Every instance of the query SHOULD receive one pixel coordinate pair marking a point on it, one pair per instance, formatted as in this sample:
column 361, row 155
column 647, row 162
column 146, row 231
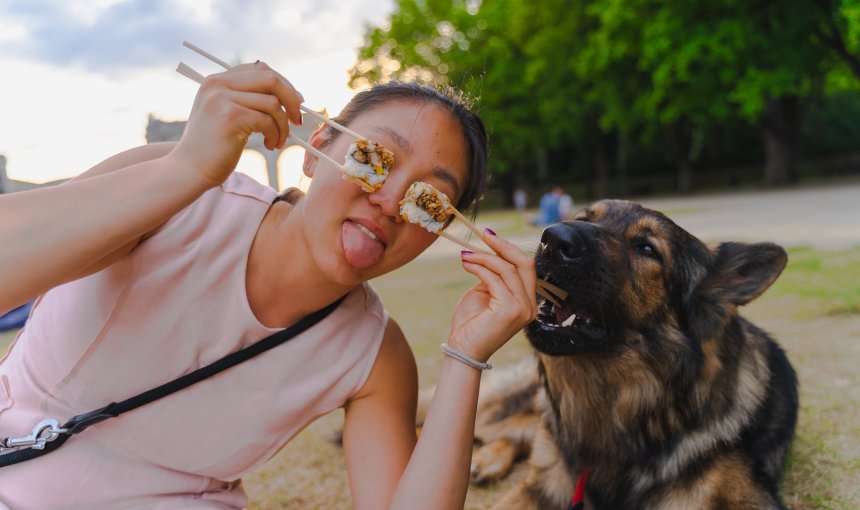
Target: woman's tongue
column 361, row 251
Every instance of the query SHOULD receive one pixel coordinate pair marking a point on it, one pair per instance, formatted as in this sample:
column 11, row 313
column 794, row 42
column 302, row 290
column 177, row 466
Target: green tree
column 711, row 62
column 577, row 108
column 473, row 47
column 839, row 30
column 572, row 82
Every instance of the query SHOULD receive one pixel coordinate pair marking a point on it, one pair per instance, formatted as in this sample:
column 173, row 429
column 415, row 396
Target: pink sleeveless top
column 177, row 302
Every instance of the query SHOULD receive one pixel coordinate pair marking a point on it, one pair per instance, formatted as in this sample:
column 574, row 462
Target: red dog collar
column 576, row 502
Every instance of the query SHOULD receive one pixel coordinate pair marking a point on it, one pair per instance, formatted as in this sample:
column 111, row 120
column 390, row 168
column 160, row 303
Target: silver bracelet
column 447, row 350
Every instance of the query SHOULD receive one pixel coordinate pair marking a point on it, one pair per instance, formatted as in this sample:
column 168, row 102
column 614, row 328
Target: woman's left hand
column 495, row 309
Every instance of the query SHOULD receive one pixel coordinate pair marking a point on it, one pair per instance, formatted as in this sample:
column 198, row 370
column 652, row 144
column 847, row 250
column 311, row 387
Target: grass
column 6, row 338
column 813, row 309
column 829, row 281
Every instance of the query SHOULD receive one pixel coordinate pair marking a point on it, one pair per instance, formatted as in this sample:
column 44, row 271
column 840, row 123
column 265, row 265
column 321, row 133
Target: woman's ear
column 319, row 138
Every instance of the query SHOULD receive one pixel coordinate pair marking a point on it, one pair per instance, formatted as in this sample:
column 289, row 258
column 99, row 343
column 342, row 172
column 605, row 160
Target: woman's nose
column 388, row 197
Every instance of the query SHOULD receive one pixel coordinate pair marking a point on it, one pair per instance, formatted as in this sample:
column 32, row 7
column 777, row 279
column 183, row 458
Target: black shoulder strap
column 82, row 421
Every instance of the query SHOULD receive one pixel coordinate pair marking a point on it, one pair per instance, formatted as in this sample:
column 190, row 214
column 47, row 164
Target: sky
column 78, row 78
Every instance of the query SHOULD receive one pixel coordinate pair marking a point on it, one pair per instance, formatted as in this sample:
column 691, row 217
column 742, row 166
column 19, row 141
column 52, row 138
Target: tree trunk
column 542, row 164
column 507, row 181
column 621, row 146
column 593, row 153
column 681, row 136
column 780, row 129
column 601, row 165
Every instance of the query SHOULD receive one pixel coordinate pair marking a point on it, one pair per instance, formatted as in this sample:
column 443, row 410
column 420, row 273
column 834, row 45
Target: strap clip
column 44, row 432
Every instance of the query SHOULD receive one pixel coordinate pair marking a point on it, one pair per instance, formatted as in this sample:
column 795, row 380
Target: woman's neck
column 283, row 282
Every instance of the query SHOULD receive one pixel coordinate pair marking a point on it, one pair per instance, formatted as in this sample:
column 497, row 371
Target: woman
column 237, row 265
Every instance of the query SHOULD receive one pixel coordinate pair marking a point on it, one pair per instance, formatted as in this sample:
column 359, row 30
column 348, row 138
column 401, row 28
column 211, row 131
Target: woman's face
column 354, row 236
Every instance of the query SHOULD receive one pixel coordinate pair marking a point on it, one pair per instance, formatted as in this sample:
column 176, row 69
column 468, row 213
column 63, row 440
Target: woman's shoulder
column 237, row 205
column 241, row 184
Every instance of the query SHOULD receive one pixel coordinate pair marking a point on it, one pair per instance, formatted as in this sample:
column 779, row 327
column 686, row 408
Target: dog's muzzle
column 567, row 257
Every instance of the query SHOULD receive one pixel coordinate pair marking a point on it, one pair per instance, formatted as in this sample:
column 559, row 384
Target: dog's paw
column 493, row 461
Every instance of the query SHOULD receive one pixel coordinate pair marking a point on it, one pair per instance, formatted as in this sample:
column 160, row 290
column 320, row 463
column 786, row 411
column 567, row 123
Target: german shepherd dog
column 647, row 378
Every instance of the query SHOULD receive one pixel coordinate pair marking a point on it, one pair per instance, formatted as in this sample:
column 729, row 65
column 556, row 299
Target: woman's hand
column 494, row 310
column 229, row 107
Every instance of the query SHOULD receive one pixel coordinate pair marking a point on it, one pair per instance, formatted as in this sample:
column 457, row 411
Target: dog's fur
column 659, row 388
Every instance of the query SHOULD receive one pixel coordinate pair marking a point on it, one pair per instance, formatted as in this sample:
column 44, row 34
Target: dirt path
column 822, row 217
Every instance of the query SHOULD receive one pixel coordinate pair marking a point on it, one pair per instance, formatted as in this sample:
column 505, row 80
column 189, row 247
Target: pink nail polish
column 463, row 253
column 490, row 231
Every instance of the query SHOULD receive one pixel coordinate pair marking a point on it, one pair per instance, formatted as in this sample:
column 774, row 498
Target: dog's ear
column 744, row 271
column 737, row 273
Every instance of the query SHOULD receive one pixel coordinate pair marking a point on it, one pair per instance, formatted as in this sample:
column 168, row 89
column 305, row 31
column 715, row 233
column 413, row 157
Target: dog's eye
column 647, row 249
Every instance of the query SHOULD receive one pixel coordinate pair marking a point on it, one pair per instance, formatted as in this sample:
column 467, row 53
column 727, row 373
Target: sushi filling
column 367, row 164
column 426, row 206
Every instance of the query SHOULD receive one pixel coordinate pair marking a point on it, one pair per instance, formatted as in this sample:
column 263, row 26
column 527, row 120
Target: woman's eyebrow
column 401, row 142
column 439, row 172
column 445, row 175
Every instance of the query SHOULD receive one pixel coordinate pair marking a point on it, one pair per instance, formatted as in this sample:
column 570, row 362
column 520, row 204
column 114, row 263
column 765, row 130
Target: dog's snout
column 563, row 242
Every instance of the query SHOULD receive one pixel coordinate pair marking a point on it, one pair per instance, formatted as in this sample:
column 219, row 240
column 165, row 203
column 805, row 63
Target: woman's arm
column 122, row 160
column 380, row 426
column 53, row 235
column 379, row 433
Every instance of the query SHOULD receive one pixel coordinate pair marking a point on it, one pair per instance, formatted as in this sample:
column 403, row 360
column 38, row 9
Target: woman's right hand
column 228, row 108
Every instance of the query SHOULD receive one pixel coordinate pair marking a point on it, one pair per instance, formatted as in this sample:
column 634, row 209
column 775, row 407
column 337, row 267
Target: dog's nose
column 563, row 243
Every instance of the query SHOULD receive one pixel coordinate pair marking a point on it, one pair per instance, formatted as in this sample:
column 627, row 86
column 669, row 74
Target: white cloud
column 111, row 35
column 80, row 77
column 86, row 12
column 13, row 32
column 202, row 11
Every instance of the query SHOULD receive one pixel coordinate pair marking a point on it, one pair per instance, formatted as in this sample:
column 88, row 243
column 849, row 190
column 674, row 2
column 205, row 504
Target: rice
column 426, row 206
column 367, row 164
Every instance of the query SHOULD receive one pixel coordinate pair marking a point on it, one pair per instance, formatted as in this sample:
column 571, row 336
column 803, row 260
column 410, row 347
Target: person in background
column 548, row 212
column 521, row 199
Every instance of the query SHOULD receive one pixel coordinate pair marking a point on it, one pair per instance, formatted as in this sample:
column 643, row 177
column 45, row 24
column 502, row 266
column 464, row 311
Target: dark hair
column 452, row 100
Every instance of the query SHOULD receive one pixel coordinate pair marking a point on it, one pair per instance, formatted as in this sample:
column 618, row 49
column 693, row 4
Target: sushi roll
column 367, row 164
column 426, row 206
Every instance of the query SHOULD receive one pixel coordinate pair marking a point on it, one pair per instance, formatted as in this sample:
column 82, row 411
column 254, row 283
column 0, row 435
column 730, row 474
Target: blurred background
column 739, row 119
column 635, row 97
column 604, row 97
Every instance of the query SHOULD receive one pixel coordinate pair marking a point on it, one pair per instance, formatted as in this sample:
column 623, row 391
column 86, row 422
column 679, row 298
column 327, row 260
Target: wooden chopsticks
column 225, row 65
column 549, row 291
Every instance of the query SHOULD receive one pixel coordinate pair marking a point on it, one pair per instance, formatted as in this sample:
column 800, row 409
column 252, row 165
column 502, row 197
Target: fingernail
column 464, row 253
column 490, row 231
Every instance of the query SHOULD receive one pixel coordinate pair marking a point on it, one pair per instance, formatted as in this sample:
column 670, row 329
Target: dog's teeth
column 569, row 320
column 588, row 321
column 545, row 323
